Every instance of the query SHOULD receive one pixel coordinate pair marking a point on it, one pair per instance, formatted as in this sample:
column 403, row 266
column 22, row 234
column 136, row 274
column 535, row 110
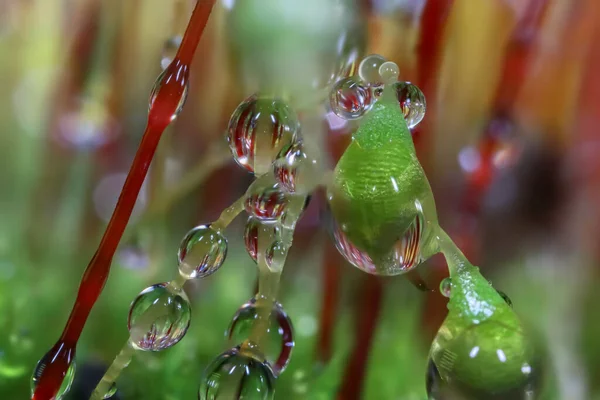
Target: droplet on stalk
column 265, row 201
column 251, row 235
column 350, row 98
column 236, row 375
column 56, row 354
column 158, row 318
column 368, row 69
column 201, row 252
column 412, row 102
column 279, row 340
column 295, row 171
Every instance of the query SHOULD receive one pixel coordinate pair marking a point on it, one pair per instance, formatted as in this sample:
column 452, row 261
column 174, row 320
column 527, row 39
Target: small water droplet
column 258, row 129
column 169, row 51
column 158, row 318
column 265, row 201
column 58, row 354
column 279, row 341
column 276, row 255
column 235, row 375
column 251, row 235
column 368, row 69
column 350, row 98
column 446, row 286
column 295, row 171
column 201, row 252
column 412, row 102
column 389, row 72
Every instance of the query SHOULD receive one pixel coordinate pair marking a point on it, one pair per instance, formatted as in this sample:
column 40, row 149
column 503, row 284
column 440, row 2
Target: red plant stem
column 162, row 111
column 368, row 309
column 331, row 290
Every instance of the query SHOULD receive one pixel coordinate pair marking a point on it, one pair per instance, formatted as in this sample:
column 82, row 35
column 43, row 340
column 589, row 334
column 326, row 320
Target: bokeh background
column 510, row 143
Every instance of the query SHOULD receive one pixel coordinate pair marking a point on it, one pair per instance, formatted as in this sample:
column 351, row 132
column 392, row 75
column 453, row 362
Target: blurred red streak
column 331, row 288
column 368, row 308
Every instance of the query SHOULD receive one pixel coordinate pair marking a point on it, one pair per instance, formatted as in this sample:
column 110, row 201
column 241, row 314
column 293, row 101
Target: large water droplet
column 266, row 201
column 279, row 340
column 258, row 129
column 169, row 51
column 201, row 252
column 234, row 375
column 350, row 98
column 295, row 171
column 251, row 235
column 158, row 318
column 488, row 360
column 368, row 69
column 412, row 102
column 56, row 354
column 175, row 84
column 389, row 72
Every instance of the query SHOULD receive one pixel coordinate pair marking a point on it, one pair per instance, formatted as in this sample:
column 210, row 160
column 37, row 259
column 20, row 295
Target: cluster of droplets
column 352, row 97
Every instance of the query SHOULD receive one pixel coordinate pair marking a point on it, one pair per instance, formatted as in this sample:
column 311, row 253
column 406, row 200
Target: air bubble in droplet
column 258, row 129
column 446, row 286
column 111, row 392
column 279, row 340
column 265, row 201
column 52, row 356
column 368, row 69
column 251, row 235
column 389, row 72
column 350, row 98
column 158, row 318
column 295, row 171
column 412, row 102
column 236, row 375
column 201, row 252
column 169, row 51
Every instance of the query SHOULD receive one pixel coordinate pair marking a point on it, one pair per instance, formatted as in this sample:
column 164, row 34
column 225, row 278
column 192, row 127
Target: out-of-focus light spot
column 107, row 193
column 469, row 159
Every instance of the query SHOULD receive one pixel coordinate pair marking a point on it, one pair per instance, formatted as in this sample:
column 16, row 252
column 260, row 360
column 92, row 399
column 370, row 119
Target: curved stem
column 110, row 376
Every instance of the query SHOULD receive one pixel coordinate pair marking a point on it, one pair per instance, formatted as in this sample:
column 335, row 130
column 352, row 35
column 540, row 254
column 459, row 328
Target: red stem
column 331, row 289
column 164, row 107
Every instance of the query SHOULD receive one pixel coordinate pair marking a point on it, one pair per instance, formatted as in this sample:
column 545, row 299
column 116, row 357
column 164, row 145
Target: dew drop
column 389, row 72
column 279, row 341
column 201, row 252
column 258, row 129
column 56, row 354
column 158, row 318
column 169, row 51
column 176, row 76
column 368, row 69
column 234, row 375
column 251, row 235
column 350, row 99
column 265, row 201
column 295, row 171
column 446, row 286
column 412, row 102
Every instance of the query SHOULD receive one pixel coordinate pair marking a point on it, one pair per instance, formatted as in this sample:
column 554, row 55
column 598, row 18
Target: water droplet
column 251, row 235
column 201, row 252
column 158, row 318
column 169, row 51
column 485, row 361
column 59, row 353
column 389, row 72
column 279, row 341
column 234, row 375
column 404, row 255
column 265, row 201
column 174, row 81
column 446, row 286
column 258, row 129
column 412, row 102
column 368, row 69
column 295, row 171
column 350, row 99
column 111, row 392
column 276, row 255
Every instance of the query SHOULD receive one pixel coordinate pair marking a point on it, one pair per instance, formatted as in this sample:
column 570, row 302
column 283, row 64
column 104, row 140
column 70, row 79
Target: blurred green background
column 510, row 142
